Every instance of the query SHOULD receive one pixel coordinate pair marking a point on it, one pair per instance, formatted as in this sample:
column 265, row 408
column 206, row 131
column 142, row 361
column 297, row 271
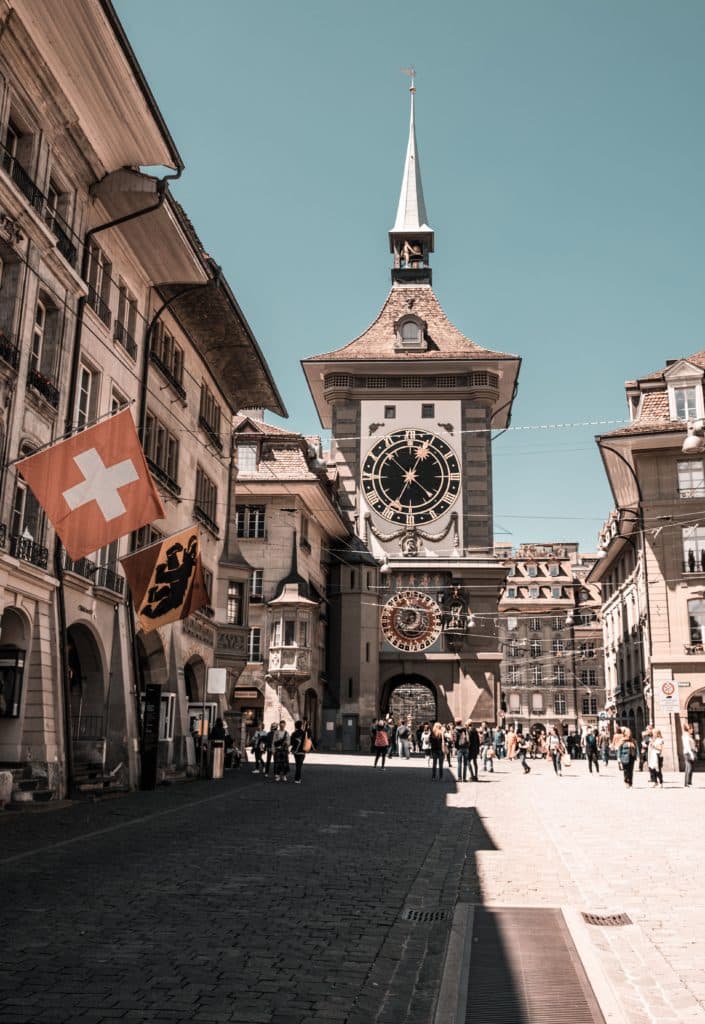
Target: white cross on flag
column 95, row 486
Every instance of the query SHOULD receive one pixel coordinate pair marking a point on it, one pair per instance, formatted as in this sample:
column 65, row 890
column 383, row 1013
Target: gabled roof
column 379, row 341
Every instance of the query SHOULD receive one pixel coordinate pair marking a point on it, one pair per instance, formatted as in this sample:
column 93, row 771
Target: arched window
column 410, row 333
column 27, row 516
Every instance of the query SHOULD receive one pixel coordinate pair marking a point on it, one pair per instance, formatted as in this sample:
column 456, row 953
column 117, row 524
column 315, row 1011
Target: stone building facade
column 107, row 300
column 412, row 404
column 653, row 566
column 551, row 638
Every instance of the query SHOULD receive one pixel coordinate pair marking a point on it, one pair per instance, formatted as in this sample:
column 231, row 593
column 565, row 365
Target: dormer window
column 410, row 333
column 247, row 458
column 685, row 391
column 685, row 403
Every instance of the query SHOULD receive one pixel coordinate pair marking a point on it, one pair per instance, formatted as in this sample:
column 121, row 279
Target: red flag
column 95, row 486
column 166, row 579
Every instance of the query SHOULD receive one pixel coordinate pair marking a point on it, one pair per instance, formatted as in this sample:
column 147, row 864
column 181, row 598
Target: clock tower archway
column 410, row 697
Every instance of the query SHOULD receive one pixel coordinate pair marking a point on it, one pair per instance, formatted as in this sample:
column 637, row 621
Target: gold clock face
column 411, row 621
column 411, row 477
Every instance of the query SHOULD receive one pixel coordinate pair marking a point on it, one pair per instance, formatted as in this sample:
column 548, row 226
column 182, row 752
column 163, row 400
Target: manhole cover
column 607, row 920
column 424, row 915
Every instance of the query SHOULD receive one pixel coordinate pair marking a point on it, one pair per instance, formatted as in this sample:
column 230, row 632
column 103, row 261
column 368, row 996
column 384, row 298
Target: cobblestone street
column 246, row 901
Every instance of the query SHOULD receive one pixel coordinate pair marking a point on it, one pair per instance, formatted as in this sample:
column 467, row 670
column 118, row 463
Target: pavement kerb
column 453, row 995
column 604, row 993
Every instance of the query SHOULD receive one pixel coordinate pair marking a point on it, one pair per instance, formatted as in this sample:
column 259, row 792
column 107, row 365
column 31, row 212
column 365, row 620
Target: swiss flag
column 95, row 486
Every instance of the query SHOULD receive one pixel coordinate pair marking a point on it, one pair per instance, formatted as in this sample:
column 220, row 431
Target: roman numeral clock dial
column 411, row 477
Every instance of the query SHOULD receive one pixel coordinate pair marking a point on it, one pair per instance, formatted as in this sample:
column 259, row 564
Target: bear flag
column 95, row 486
column 166, row 579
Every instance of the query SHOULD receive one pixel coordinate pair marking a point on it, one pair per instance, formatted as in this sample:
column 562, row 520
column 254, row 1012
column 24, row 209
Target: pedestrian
column 373, row 735
column 604, row 744
column 473, row 749
column 259, row 747
column 689, row 754
column 425, row 741
column 381, row 743
column 300, row 739
column 511, row 744
column 626, row 754
column 591, row 750
column 556, row 749
column 403, row 739
column 460, row 737
column 269, row 746
column 437, row 749
column 499, row 747
column 644, row 746
column 655, row 760
column 521, row 753
column 391, row 736
column 280, row 747
column 448, row 737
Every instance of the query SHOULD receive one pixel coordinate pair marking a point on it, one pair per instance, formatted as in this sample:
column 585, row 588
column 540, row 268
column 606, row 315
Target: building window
column 390, row 412
column 554, row 570
column 512, row 623
column 206, row 504
column 117, row 402
column 125, row 326
column 534, row 624
column 691, row 479
column 167, row 715
column 256, row 584
column 515, row 703
column 11, row 679
column 557, row 623
column 534, row 592
column 694, row 548
column 536, row 675
column 410, row 334
column 147, row 535
column 254, row 644
column 247, row 458
column 588, row 677
column 87, row 398
column 209, row 419
column 557, row 593
column 304, row 542
column 537, row 703
column 532, row 570
column 696, row 619
column 235, row 604
column 428, row 411
column 685, row 403
column 587, row 649
column 513, row 676
column 559, row 704
column 303, row 633
column 250, row 521
column 559, row 675
column 511, row 592
column 289, row 632
column 27, row 520
column 535, row 648
column 589, row 705
column 162, row 449
column 557, row 646
column 98, row 280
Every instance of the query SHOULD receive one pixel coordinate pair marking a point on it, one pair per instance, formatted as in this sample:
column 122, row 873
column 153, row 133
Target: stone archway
column 14, row 645
column 152, row 659
column 410, row 696
column 195, row 679
column 87, row 688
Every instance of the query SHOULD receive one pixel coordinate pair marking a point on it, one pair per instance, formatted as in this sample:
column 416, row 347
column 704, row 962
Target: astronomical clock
column 411, row 620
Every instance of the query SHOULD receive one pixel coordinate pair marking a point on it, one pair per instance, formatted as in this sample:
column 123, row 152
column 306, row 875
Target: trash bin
column 217, row 758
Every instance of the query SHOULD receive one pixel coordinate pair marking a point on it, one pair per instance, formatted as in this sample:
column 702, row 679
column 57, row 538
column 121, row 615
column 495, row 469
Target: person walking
column 511, row 744
column 425, row 741
column 448, row 738
column 591, row 750
column 403, row 739
column 499, row 748
column 268, row 747
column 381, row 743
column 521, row 753
column 300, row 741
column 627, row 753
column 461, row 747
column 604, row 744
column 473, row 749
column 654, row 760
column 487, row 750
column 437, row 750
column 646, row 737
column 556, row 750
column 689, row 754
column 280, row 747
column 259, row 746
column 391, row 727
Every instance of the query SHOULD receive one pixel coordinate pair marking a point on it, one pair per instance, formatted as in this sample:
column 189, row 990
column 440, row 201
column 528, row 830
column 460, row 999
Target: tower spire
column 411, row 238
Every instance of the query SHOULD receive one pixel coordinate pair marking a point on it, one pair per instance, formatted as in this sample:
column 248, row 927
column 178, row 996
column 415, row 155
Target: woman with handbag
column 301, row 744
column 381, row 742
column 689, row 754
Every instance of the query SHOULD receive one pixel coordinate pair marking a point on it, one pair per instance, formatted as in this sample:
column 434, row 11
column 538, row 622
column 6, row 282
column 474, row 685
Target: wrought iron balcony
column 213, row 436
column 162, row 477
column 62, row 232
column 203, row 517
column 22, row 179
column 124, row 338
column 46, row 388
column 9, row 350
column 25, row 549
column 109, row 579
column 81, row 567
column 694, row 564
column 98, row 306
column 169, row 375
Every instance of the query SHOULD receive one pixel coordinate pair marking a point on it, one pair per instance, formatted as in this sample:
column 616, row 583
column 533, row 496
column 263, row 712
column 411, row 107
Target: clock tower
column 413, row 405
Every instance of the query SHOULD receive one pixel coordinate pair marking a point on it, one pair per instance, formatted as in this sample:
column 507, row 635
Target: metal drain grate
column 525, row 969
column 607, row 920
column 425, row 915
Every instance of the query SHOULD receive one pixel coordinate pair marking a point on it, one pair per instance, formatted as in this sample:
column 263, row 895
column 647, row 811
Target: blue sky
column 562, row 155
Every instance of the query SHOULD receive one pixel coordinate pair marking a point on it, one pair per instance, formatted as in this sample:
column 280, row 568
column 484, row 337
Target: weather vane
column 411, row 72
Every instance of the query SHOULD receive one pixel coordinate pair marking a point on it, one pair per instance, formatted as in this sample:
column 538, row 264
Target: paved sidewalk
column 248, row 902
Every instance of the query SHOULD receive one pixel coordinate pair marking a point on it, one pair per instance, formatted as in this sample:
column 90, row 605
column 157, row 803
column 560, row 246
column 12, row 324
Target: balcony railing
column 81, row 567
column 9, row 350
column 163, row 478
column 46, row 388
column 693, row 648
column 214, row 438
column 109, row 579
column 124, row 338
column 169, row 375
column 99, row 306
column 66, row 240
column 25, row 549
column 203, row 517
column 694, row 564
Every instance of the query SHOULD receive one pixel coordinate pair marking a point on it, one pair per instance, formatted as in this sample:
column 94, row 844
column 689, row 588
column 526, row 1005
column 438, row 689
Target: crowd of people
column 271, row 749
column 464, row 745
